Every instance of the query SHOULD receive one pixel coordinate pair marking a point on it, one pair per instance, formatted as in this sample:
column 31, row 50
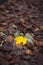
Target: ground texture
column 25, row 16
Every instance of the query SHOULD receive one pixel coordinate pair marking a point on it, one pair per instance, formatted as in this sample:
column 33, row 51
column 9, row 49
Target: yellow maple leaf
column 20, row 40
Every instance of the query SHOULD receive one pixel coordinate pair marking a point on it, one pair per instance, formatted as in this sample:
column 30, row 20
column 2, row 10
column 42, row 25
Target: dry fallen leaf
column 22, row 20
column 29, row 45
column 29, row 52
column 5, row 24
column 2, row 29
column 19, row 46
column 9, row 38
column 41, row 43
column 35, row 50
